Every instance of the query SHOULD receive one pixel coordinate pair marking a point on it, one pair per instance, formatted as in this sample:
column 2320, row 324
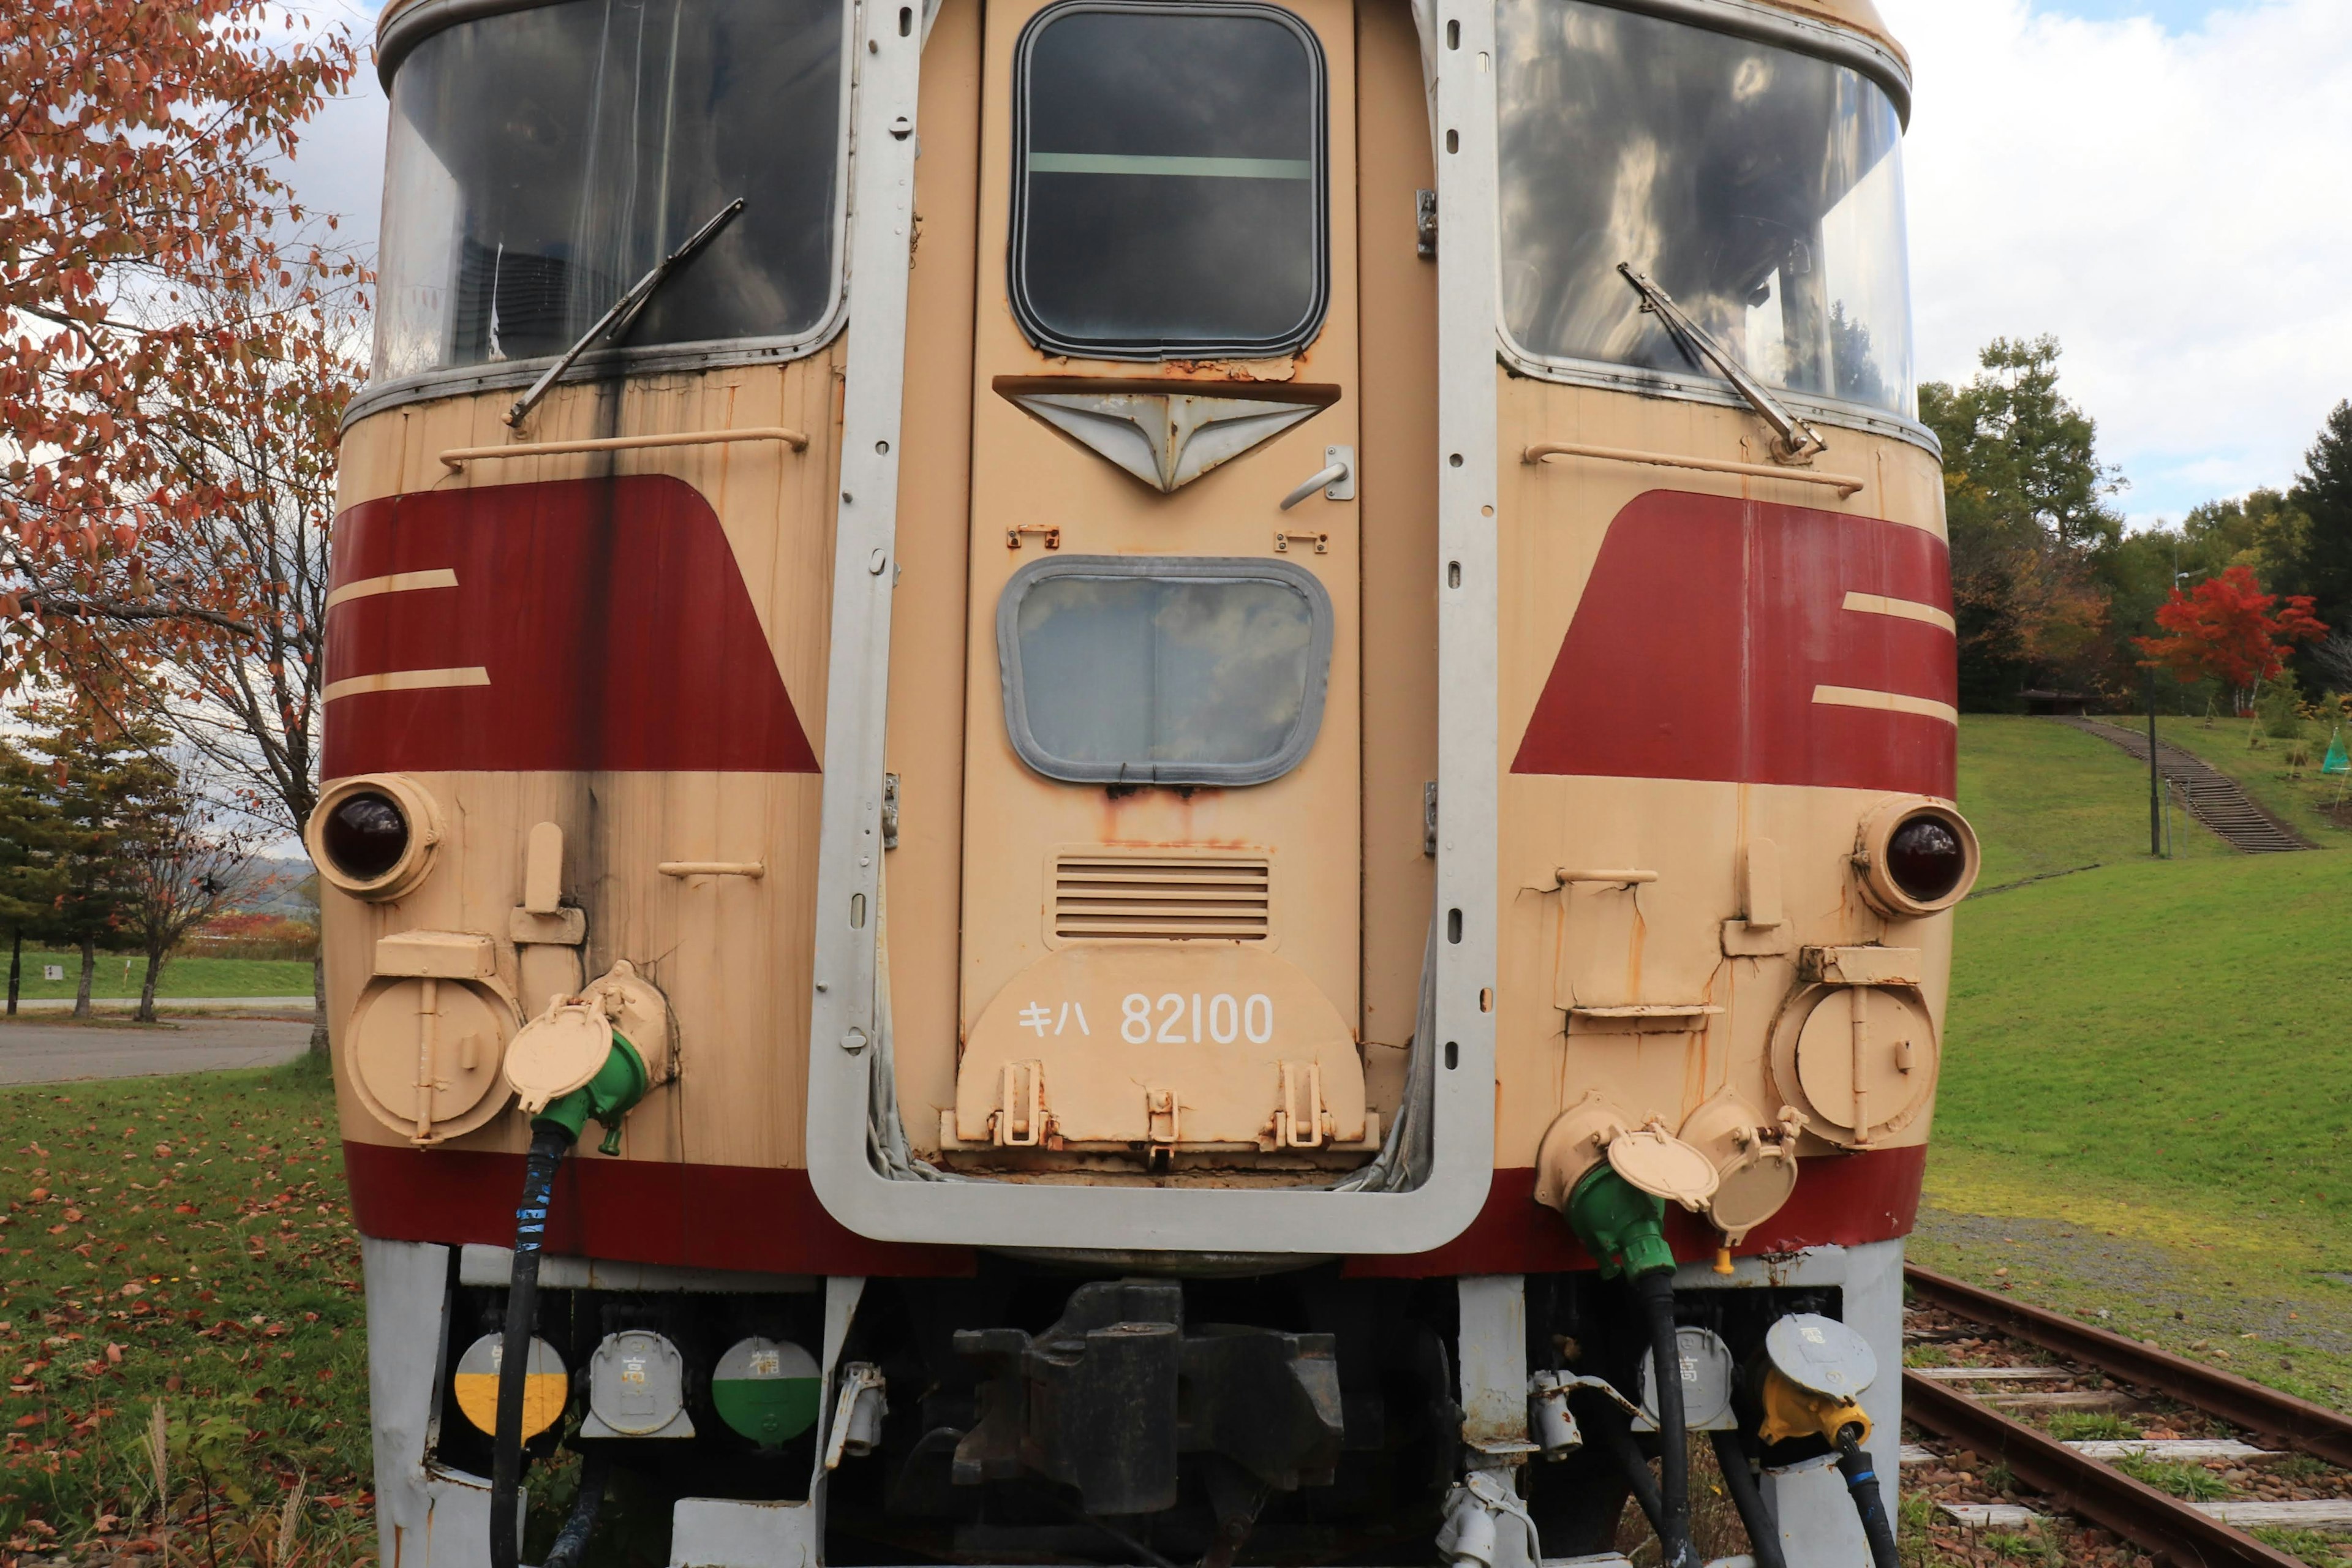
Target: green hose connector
column 1620, row 1224
column 608, row 1097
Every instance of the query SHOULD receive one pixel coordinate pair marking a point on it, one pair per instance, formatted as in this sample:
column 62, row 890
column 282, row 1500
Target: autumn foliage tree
column 141, row 145
column 2228, row 630
column 177, row 346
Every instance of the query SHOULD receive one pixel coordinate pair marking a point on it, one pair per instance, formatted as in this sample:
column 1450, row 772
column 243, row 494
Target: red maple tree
column 2228, row 631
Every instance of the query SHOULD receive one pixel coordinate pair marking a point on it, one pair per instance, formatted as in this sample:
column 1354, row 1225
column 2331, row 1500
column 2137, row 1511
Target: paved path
column 55, row 1053
column 125, row 1005
column 2214, row 797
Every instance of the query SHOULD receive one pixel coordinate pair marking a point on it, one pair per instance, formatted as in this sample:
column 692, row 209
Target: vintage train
column 1218, row 734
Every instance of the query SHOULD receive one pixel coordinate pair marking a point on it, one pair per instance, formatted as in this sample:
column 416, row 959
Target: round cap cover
column 556, row 1052
column 767, row 1389
column 1663, row 1166
column 1750, row 1193
column 546, row 1386
column 1821, row 1355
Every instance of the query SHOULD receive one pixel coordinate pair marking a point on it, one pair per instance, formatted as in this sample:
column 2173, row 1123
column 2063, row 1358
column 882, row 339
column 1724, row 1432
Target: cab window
column 541, row 160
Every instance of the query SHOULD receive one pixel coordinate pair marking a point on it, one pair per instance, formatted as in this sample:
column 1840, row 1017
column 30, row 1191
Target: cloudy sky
column 2161, row 184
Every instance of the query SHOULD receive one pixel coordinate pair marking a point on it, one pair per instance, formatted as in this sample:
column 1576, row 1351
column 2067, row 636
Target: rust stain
column 1633, row 950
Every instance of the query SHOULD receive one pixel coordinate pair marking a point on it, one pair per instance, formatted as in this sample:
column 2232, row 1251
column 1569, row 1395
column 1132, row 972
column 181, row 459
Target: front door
column 1162, row 832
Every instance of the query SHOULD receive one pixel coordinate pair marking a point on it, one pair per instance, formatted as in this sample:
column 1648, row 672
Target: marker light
column 1916, row 855
column 365, row 835
column 373, row 837
column 1925, row 857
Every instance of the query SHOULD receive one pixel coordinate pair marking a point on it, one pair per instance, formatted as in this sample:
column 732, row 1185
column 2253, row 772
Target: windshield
column 541, row 161
column 1762, row 189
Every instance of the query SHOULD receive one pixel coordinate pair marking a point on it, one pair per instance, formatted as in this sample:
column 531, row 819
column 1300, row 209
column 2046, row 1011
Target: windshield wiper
column 1794, row 440
column 615, row 322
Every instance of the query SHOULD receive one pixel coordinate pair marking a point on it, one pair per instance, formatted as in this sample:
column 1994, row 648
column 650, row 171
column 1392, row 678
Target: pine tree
column 29, row 883
column 2323, row 493
column 100, row 780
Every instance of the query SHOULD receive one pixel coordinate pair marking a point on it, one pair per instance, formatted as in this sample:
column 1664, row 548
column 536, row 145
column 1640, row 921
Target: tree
column 29, row 838
column 2026, row 512
column 141, row 149
column 182, row 861
column 2226, row 630
column 211, row 626
column 101, row 780
column 2323, row 491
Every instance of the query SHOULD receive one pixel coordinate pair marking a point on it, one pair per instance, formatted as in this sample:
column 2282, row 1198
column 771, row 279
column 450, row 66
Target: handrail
column 1845, row 484
column 755, row 869
column 456, row 457
column 1565, row 875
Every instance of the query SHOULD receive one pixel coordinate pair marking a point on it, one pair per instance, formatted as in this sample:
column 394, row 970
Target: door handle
column 1336, row 478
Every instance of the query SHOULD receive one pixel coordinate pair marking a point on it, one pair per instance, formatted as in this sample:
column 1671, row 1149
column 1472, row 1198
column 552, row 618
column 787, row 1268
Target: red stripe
column 609, row 612
column 1841, row 1200
column 1706, row 627
column 769, row 1221
column 754, row 1220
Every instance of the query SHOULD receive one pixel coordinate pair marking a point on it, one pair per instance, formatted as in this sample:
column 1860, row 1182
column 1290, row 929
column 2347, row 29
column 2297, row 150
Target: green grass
column 188, row 978
column 182, row 1241
column 2302, row 802
column 2046, row 798
column 2146, row 1085
column 2164, row 1027
column 2173, row 1477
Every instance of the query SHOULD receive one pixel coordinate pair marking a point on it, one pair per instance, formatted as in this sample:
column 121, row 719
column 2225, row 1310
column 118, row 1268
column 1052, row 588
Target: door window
column 1168, row 181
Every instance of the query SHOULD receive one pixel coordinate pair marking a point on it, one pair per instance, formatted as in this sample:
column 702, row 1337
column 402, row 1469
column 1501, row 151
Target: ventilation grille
column 1166, row 897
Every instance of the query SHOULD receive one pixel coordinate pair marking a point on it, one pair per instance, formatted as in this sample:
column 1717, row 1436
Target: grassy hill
column 2047, row 798
column 2146, row 1100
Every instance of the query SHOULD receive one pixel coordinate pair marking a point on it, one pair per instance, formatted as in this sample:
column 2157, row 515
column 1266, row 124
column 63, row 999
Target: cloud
column 338, row 167
column 2167, row 202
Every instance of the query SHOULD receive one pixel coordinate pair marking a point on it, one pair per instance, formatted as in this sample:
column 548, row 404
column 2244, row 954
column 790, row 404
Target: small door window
column 1143, row 670
column 1169, row 180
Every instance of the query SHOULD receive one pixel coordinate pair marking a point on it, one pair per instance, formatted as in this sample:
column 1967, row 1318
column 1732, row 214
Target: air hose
column 572, row 1541
column 1656, row 1292
column 550, row 1141
column 1619, row 1437
column 608, row 1097
column 1763, row 1529
column 1624, row 1228
column 1869, row 1499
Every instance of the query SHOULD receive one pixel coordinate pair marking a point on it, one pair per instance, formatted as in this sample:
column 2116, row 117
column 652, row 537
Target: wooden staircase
column 2212, row 796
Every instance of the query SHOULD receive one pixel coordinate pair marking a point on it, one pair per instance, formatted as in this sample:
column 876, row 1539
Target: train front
column 1119, row 781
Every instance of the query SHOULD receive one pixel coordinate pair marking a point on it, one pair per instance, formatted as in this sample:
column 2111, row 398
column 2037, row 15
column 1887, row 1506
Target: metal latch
column 1051, row 532
column 1019, row 1119
column 1161, row 1108
column 1298, row 1118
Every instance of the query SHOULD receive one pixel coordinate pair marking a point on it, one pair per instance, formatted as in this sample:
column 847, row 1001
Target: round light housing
column 1916, row 855
column 373, row 837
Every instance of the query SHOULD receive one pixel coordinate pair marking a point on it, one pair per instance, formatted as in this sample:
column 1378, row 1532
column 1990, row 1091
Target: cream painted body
column 971, row 882
column 1661, row 944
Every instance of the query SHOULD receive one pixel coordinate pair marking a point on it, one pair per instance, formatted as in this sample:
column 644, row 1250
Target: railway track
column 2078, row 1478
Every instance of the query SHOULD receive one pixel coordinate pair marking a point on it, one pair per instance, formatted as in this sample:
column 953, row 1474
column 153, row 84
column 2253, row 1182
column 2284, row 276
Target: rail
column 1845, row 484
column 2299, row 1424
column 755, row 869
column 456, row 457
column 2155, row 1521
